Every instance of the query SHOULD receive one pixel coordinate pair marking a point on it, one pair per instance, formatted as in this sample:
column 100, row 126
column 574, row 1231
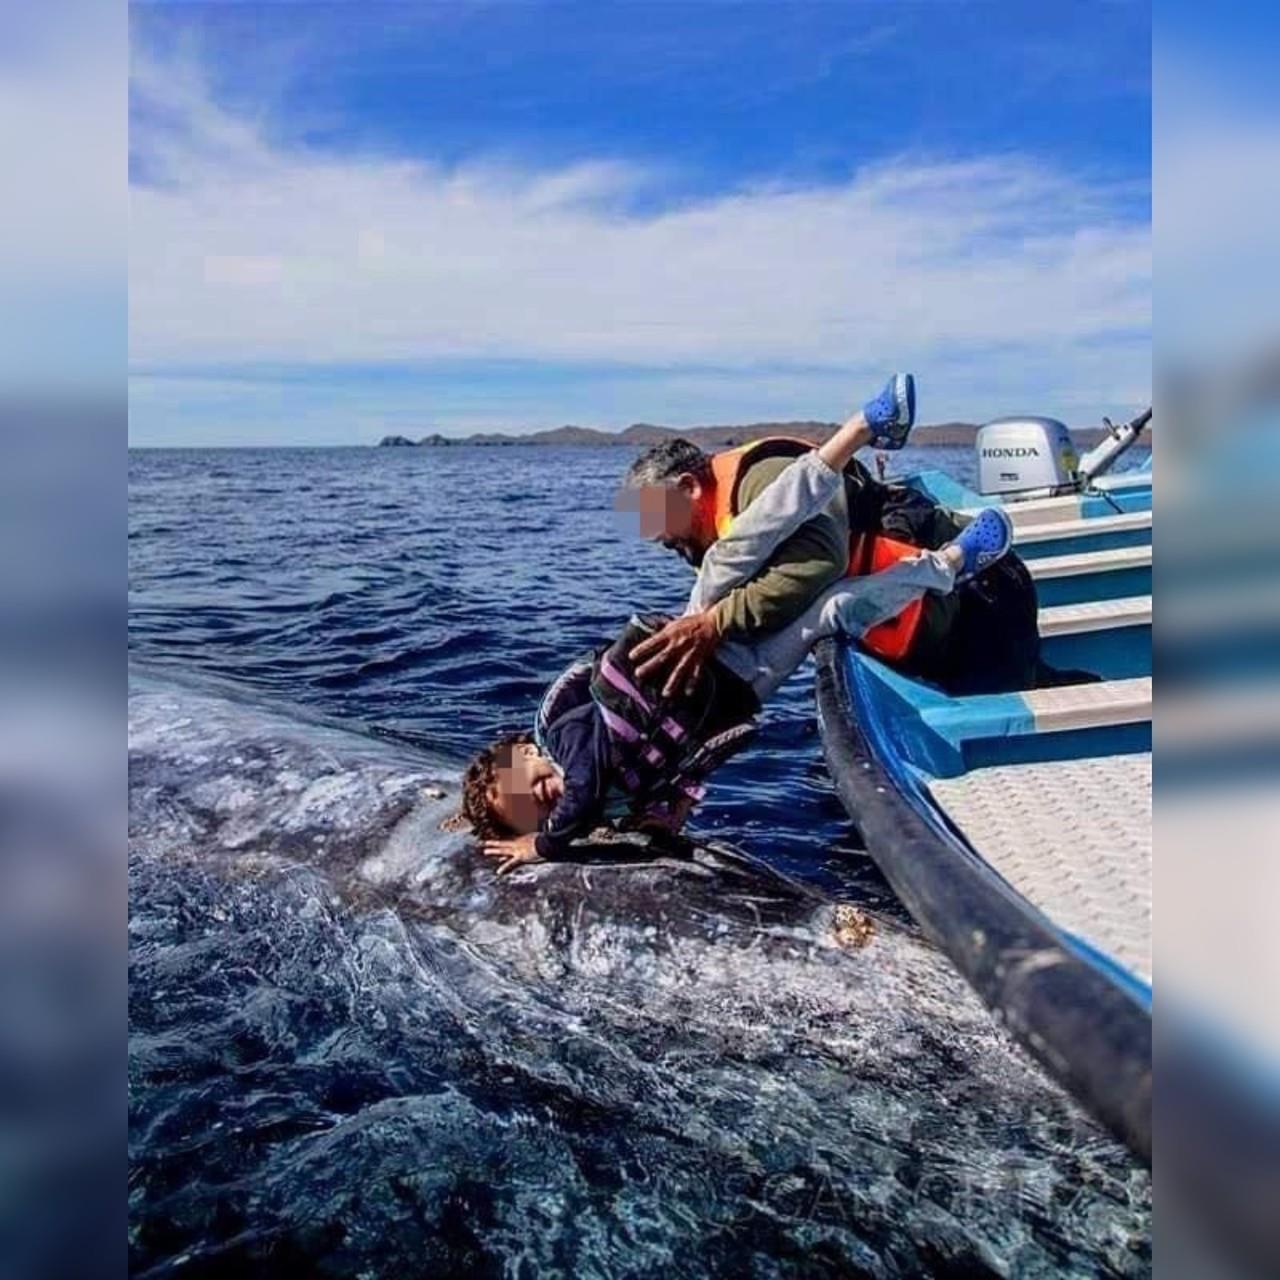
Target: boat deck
column 1073, row 837
column 1095, row 615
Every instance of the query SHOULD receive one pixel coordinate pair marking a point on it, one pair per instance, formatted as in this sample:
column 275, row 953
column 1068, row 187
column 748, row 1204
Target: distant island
column 641, row 435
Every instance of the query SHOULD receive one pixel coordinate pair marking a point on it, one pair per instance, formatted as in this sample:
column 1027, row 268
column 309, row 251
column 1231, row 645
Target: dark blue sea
column 354, row 1053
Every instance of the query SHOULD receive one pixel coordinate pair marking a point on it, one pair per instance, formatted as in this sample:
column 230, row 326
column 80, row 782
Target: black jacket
column 984, row 636
column 718, row 713
column 577, row 741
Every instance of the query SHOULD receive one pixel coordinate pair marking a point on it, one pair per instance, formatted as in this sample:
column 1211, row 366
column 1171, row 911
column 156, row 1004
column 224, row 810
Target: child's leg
column 851, row 607
column 799, row 493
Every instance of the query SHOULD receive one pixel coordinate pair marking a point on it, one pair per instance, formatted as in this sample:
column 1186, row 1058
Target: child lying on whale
column 608, row 747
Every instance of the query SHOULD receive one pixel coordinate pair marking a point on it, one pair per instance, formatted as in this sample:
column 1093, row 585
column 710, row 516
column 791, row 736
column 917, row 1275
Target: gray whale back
column 349, row 1040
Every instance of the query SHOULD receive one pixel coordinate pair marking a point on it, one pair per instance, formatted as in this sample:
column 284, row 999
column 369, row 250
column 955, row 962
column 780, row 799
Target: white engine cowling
column 1027, row 456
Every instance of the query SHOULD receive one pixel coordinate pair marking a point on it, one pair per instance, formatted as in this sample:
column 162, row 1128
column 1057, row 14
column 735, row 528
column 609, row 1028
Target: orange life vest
column 891, row 639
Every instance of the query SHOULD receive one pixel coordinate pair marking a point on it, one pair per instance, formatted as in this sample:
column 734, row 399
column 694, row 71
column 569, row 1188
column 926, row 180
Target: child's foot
column 983, row 541
column 892, row 413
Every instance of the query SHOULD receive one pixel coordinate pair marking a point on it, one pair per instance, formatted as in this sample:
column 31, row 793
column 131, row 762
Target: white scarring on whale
column 301, row 918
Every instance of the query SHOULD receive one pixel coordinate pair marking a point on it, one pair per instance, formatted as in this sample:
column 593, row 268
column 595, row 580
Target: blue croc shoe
column 984, row 540
column 892, row 413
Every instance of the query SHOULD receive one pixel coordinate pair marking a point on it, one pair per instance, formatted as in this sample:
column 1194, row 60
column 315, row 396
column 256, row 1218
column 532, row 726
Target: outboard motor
column 1027, row 457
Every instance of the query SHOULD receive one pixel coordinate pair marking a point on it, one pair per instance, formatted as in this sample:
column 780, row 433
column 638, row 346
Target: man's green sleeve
column 797, row 573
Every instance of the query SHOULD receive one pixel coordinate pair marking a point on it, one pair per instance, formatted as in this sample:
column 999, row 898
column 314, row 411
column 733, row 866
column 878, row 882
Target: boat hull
column 1016, row 827
column 1083, row 1017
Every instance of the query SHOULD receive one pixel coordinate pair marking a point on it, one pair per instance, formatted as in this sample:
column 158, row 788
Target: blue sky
column 351, row 219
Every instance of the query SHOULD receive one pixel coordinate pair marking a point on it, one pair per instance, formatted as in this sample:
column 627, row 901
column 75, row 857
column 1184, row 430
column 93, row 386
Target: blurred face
column 672, row 514
column 527, row 789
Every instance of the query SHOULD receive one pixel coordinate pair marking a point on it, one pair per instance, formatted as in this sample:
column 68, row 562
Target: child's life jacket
column 660, row 751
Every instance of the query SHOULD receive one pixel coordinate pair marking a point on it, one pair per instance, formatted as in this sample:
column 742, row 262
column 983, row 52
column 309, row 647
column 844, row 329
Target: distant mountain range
column 641, row 435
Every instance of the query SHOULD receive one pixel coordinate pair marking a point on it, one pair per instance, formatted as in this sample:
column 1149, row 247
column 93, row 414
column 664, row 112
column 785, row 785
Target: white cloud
column 364, row 258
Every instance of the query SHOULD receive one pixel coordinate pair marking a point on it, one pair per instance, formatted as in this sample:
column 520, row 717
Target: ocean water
column 353, row 1052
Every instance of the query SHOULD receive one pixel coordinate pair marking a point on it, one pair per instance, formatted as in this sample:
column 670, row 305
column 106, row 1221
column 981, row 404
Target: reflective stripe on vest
column 891, row 639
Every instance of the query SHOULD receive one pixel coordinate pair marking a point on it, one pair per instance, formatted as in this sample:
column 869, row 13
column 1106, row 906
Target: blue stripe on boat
column 1076, row 543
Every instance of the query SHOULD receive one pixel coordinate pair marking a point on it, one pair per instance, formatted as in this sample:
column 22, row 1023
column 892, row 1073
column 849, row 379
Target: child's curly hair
column 479, row 781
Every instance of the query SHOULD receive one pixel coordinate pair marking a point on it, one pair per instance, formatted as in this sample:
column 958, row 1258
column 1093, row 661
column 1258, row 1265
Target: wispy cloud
column 247, row 251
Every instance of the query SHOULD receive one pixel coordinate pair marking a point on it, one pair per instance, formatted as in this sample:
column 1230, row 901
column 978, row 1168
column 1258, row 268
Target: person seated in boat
column 610, row 745
column 980, row 640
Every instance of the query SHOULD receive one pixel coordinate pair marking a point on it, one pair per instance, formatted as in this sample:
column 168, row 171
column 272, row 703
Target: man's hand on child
column 512, row 852
column 684, row 645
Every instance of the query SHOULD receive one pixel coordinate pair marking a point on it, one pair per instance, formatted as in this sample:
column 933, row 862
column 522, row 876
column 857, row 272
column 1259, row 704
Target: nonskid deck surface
column 1073, row 837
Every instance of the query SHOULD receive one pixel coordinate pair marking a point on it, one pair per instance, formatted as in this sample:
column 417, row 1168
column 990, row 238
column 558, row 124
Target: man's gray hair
column 665, row 463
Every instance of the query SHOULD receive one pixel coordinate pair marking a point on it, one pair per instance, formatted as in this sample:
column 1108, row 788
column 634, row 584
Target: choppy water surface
column 355, row 1052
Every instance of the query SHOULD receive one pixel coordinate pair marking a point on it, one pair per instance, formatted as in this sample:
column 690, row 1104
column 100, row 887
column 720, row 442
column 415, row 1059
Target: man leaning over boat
column 983, row 639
